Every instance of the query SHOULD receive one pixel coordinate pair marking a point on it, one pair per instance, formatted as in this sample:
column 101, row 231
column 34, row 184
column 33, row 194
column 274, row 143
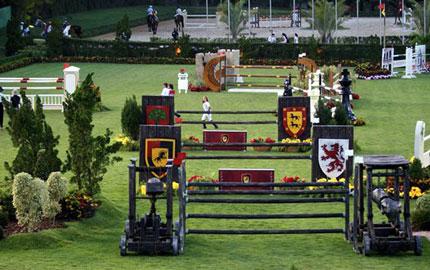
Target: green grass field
column 390, row 108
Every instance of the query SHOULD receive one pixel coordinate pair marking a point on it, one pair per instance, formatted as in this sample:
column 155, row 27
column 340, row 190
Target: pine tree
column 341, row 115
column 323, row 113
column 14, row 41
column 37, row 153
column 87, row 156
column 130, row 118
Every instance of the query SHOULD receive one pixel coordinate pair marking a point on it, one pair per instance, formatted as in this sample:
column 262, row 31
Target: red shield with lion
column 332, row 156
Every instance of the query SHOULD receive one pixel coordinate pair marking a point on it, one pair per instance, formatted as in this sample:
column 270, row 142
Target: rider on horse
column 179, row 18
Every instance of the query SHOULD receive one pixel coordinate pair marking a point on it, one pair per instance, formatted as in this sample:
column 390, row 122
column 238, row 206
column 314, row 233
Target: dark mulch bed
column 13, row 227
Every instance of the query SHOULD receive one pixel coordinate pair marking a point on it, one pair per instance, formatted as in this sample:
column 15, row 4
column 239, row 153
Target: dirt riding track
column 367, row 27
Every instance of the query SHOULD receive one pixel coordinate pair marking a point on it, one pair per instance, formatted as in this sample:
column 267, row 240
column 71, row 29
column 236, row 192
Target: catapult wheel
column 366, row 244
column 123, row 245
column 175, row 245
column 418, row 250
column 180, row 235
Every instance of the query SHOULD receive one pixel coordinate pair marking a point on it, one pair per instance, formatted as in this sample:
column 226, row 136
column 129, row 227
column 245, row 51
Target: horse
column 179, row 22
column 152, row 23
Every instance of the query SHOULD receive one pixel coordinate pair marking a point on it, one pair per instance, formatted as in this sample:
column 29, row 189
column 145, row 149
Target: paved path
column 367, row 27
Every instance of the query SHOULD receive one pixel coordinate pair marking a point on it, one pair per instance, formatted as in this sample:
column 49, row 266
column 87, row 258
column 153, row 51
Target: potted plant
column 290, row 148
column 201, row 179
column 262, row 148
column 191, row 140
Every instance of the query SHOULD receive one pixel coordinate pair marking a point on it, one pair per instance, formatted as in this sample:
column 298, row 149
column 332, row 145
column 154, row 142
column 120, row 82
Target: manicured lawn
column 389, row 107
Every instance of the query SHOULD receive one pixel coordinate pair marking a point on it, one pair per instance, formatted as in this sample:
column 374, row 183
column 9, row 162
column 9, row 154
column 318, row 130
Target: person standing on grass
column 15, row 99
column 166, row 91
column 1, row 107
column 171, row 90
column 207, row 116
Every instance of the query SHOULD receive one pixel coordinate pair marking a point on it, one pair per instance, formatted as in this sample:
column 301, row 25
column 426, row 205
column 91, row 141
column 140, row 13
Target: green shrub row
column 321, row 53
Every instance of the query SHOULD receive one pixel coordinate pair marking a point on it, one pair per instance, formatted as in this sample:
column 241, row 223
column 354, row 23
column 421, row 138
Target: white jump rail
column 419, row 147
column 67, row 84
column 203, row 20
column 413, row 60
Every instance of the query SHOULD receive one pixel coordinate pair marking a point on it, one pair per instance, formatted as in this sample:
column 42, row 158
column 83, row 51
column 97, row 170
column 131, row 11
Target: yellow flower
column 342, row 180
column 351, row 186
column 321, row 180
column 143, row 190
column 412, row 159
column 175, row 186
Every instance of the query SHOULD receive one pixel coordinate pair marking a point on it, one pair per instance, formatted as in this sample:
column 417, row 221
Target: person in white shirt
column 166, row 91
column 296, row 38
column 207, row 116
column 272, row 38
column 285, row 38
column 1, row 107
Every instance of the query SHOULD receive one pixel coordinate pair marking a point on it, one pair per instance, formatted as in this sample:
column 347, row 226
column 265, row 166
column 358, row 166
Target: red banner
column 225, row 137
column 246, row 176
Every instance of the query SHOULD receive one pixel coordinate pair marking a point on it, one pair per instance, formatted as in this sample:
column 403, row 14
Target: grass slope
column 390, row 108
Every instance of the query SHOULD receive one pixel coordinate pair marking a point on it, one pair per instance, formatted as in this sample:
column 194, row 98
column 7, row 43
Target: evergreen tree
column 130, row 118
column 14, row 41
column 36, row 143
column 123, row 30
column 323, row 113
column 87, row 156
column 55, row 40
column 341, row 115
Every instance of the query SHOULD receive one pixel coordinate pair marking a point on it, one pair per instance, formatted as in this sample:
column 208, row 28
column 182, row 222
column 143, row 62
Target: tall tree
column 237, row 17
column 25, row 9
column 87, row 156
column 325, row 19
column 418, row 12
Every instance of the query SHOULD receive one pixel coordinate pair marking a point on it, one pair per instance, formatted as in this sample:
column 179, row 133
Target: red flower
column 355, row 96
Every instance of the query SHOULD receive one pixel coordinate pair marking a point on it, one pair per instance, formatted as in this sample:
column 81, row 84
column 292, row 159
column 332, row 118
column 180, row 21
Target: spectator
column 285, row 38
column 272, row 38
column 1, row 107
column 166, row 91
column 15, row 99
column 175, row 34
column 171, row 90
column 296, row 38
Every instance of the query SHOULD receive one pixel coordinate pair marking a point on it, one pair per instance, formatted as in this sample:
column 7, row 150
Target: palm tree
column 325, row 19
column 418, row 14
column 237, row 17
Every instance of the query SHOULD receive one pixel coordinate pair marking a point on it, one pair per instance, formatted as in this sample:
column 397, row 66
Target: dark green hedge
column 323, row 54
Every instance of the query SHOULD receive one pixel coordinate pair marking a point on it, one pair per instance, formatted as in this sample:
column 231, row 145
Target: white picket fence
column 65, row 85
column 420, row 140
column 49, row 102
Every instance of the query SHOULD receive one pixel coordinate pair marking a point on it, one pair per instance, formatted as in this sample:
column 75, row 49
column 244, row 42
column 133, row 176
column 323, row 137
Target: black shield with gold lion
column 157, row 152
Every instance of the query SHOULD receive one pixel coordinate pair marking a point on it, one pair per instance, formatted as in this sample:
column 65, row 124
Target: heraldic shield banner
column 294, row 120
column 332, row 156
column 157, row 152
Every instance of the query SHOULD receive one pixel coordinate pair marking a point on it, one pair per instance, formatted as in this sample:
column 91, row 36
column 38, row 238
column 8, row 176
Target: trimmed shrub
column 420, row 218
column 130, row 118
column 29, row 196
column 4, row 218
column 57, row 190
column 123, row 31
column 55, row 40
column 14, row 41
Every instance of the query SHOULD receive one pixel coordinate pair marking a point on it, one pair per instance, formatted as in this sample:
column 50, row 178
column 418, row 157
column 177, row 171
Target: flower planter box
column 262, row 148
column 292, row 149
